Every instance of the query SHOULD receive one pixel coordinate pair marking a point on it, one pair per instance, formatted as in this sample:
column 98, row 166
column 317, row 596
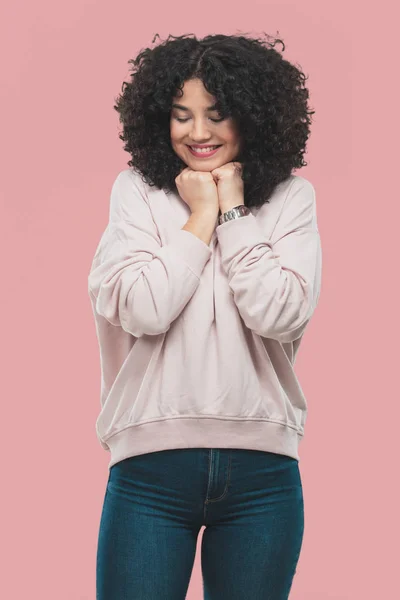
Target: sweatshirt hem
column 206, row 432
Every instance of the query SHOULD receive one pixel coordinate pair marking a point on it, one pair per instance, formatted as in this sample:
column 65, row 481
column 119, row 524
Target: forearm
column 202, row 225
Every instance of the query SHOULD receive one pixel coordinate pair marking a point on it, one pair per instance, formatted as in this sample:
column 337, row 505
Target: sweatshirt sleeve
column 139, row 284
column 276, row 285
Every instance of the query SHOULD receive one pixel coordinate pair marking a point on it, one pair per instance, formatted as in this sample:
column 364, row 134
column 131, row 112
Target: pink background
column 63, row 63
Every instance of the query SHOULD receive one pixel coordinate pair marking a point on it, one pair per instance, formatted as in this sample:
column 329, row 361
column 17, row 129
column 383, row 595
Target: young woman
column 202, row 286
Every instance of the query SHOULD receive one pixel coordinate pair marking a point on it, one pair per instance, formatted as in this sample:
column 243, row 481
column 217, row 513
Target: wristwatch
column 234, row 213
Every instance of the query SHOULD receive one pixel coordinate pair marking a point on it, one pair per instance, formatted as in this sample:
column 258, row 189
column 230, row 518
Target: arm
column 276, row 285
column 139, row 284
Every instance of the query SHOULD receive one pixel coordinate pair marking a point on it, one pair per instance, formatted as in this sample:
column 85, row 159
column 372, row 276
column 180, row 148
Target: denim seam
column 208, row 500
column 210, row 462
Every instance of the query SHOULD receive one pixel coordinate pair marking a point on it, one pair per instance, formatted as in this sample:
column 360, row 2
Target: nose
column 200, row 132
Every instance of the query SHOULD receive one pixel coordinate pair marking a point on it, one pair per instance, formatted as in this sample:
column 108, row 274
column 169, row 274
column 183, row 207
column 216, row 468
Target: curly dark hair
column 251, row 82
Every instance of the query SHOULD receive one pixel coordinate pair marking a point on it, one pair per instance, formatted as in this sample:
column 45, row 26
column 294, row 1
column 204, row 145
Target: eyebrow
column 181, row 107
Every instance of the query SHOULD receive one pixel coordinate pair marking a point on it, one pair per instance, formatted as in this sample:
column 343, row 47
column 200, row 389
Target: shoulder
column 294, row 184
column 297, row 190
column 299, row 207
column 129, row 196
column 292, row 190
column 130, row 178
column 291, row 205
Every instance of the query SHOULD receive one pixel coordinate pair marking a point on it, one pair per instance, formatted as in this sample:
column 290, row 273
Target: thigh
column 147, row 536
column 251, row 546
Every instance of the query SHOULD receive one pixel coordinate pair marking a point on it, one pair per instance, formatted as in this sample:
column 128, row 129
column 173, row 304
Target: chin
column 205, row 168
column 206, row 165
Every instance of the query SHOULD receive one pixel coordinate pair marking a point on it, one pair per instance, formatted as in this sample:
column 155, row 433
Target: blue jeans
column 250, row 503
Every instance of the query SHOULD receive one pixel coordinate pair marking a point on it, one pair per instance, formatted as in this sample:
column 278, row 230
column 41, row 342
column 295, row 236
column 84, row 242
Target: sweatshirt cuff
column 191, row 250
column 237, row 233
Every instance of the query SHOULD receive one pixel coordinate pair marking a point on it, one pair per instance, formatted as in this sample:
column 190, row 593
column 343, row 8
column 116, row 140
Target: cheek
column 176, row 138
column 173, row 131
column 230, row 136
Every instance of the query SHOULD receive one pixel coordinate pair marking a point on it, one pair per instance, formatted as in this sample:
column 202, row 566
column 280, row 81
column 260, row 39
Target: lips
column 204, row 154
column 213, row 146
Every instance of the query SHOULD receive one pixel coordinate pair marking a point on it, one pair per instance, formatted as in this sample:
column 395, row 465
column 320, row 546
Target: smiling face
column 193, row 121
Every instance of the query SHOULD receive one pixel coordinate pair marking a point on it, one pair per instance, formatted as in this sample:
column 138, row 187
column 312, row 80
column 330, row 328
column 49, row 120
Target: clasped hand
column 229, row 185
column 194, row 187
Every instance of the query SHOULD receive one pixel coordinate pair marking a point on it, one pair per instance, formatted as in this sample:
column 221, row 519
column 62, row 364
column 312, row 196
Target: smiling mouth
column 204, row 152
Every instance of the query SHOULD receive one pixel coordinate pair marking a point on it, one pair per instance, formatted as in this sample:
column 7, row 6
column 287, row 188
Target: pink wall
column 62, row 65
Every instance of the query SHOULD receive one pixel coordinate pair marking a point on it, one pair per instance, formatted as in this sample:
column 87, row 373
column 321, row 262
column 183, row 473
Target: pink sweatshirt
column 197, row 343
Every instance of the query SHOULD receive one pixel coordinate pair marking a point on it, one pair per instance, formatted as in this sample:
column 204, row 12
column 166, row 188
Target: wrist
column 240, row 210
column 230, row 206
column 205, row 214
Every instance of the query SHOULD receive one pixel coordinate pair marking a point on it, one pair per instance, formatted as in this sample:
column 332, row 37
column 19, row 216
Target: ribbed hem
column 203, row 432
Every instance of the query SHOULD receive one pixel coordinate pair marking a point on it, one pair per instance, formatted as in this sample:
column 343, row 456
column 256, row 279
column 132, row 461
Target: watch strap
column 234, row 213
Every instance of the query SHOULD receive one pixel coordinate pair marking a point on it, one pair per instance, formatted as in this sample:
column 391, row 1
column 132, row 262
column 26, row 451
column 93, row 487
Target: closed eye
column 184, row 120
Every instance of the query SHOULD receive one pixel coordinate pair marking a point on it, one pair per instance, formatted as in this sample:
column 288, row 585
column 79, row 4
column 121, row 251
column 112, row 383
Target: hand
column 199, row 190
column 230, row 185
